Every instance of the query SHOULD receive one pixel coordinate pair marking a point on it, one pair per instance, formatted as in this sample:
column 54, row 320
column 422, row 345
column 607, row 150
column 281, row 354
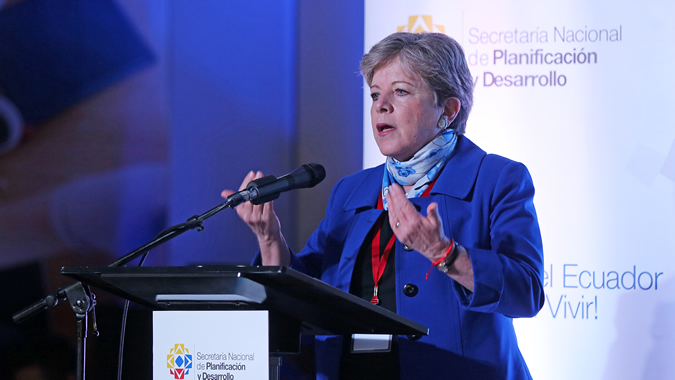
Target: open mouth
column 383, row 127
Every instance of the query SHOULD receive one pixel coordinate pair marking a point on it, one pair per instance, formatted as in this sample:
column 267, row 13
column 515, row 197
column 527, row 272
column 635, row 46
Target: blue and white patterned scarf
column 422, row 168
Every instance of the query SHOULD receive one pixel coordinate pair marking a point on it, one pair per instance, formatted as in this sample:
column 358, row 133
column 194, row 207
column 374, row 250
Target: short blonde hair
column 438, row 59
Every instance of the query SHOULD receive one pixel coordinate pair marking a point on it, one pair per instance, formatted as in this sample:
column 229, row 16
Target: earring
column 443, row 122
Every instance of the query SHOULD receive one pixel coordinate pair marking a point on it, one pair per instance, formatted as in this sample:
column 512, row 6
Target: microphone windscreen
column 316, row 172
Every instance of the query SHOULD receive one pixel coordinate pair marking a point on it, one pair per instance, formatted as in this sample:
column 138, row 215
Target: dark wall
column 330, row 99
column 232, row 96
column 264, row 86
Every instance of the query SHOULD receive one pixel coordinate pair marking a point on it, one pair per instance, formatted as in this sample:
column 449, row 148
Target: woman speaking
column 438, row 201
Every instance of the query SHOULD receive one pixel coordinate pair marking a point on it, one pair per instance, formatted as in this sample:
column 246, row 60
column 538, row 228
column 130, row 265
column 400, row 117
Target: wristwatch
column 444, row 266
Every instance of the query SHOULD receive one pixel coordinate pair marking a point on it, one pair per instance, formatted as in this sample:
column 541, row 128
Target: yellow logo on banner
column 420, row 24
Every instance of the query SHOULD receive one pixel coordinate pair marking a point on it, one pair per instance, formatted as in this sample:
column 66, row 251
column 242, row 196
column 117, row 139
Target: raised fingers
column 432, row 215
column 424, row 234
column 400, row 208
column 263, row 222
column 393, row 215
column 248, row 212
column 256, row 211
column 249, row 177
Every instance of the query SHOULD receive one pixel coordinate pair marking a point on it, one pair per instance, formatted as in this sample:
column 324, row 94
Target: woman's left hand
column 423, row 234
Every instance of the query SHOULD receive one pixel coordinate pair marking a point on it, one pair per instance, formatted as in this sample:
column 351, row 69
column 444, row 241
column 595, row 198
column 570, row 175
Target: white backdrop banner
column 581, row 93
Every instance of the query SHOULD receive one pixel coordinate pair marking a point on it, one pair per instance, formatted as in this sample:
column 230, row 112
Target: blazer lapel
column 456, row 180
column 362, row 202
column 459, row 175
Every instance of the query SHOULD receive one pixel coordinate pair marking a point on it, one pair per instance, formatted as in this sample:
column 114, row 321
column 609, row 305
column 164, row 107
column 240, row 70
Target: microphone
column 268, row 188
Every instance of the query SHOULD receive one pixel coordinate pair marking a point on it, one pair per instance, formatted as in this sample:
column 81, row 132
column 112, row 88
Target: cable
column 125, row 311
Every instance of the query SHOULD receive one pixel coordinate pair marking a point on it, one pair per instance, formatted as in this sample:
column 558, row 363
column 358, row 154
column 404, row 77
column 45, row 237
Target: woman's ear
column 452, row 107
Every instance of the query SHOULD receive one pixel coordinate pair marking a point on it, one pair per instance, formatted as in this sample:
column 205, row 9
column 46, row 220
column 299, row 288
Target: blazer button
column 410, row 290
column 406, row 248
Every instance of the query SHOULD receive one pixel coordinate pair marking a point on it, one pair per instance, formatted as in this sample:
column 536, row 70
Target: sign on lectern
column 210, row 345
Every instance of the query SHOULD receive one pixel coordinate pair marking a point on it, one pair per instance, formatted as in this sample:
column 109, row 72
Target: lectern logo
column 420, row 24
column 179, row 361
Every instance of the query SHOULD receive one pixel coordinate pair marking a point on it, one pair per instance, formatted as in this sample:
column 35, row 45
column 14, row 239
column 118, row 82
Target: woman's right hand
column 265, row 225
column 260, row 218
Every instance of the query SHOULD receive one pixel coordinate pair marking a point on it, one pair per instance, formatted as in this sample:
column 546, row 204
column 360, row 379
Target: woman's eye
column 375, row 96
column 398, row 91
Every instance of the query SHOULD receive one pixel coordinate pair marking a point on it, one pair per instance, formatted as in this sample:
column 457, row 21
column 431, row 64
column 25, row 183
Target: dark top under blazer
column 486, row 203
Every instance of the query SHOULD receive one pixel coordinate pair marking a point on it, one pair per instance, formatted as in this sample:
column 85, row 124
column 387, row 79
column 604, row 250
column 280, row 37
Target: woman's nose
column 382, row 105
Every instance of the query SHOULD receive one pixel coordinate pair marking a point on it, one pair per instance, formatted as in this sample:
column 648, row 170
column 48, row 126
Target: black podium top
column 317, row 307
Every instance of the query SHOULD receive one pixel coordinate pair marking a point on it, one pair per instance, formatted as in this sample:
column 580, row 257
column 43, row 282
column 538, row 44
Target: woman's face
column 403, row 115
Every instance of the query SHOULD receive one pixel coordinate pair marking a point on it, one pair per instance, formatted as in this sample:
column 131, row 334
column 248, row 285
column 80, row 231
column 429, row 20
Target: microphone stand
column 82, row 300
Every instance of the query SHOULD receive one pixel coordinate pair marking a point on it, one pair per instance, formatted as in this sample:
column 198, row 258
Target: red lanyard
column 380, row 262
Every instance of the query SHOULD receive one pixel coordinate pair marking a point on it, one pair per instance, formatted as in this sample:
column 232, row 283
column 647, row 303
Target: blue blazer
column 486, row 205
